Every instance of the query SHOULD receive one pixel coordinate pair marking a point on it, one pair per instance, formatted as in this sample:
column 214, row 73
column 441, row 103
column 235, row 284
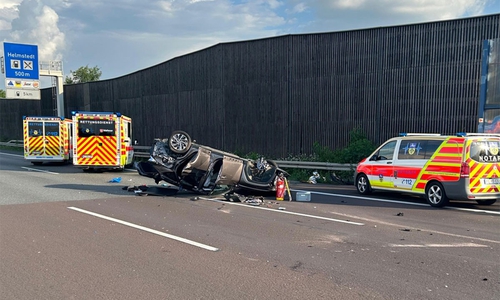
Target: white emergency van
column 46, row 139
column 102, row 140
column 439, row 167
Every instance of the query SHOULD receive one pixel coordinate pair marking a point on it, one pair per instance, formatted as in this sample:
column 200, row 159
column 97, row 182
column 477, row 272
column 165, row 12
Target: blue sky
column 124, row 36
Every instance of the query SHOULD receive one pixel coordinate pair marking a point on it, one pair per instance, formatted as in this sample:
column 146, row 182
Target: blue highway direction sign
column 21, row 61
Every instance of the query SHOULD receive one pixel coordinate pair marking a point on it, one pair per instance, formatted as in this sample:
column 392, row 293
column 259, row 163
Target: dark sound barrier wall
column 278, row 96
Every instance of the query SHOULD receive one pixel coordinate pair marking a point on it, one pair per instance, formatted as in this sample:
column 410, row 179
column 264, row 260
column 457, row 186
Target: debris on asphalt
column 400, row 214
column 234, row 197
column 254, row 200
column 314, row 178
column 144, row 190
column 116, row 179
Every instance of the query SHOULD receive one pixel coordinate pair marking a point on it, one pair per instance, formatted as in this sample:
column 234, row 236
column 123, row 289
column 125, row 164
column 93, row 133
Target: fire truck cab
column 46, row 139
column 102, row 140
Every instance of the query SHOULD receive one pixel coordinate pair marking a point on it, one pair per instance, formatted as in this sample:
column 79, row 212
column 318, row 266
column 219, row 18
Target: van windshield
column 40, row 128
column 89, row 127
column 485, row 151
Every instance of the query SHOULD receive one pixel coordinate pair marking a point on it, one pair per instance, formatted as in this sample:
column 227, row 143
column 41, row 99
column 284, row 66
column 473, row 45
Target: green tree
column 3, row 94
column 83, row 74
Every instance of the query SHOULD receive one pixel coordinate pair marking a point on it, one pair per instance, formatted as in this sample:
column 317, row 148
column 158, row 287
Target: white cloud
column 123, row 36
column 300, row 7
column 420, row 9
column 273, row 4
column 37, row 24
column 335, row 15
column 350, row 4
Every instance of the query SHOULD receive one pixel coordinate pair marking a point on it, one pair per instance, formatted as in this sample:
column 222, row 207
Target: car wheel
column 486, row 202
column 436, row 195
column 179, row 142
column 363, row 185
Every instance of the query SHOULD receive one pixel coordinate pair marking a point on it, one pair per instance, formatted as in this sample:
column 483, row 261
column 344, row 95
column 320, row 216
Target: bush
column 358, row 148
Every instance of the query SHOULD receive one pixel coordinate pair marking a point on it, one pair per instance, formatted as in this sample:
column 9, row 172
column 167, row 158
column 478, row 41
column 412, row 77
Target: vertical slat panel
column 278, row 96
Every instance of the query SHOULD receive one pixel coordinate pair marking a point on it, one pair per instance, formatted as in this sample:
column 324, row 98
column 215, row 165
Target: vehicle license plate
column 491, row 181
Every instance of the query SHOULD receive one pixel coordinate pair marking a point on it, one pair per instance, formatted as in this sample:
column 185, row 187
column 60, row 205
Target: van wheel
column 435, row 194
column 363, row 185
column 486, row 202
column 37, row 163
column 179, row 142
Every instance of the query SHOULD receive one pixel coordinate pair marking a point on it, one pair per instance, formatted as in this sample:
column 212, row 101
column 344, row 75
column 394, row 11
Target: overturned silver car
column 180, row 161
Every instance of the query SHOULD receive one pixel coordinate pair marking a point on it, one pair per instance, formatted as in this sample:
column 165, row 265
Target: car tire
column 363, row 185
column 486, row 202
column 435, row 194
column 179, row 142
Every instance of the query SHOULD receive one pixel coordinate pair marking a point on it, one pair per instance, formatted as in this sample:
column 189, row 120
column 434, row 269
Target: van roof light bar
column 464, row 134
column 419, row 134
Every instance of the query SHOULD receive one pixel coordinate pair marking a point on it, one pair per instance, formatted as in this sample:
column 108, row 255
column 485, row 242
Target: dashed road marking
column 401, row 202
column 38, row 170
column 285, row 212
column 170, row 236
column 458, row 245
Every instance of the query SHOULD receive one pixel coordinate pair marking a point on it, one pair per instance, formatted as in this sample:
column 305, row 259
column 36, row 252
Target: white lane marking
column 170, row 236
column 459, row 245
column 401, row 202
column 417, row 229
column 474, row 210
column 38, row 170
column 10, row 154
column 284, row 212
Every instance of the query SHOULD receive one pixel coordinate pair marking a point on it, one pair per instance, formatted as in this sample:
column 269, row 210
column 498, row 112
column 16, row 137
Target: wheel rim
column 434, row 194
column 179, row 141
column 362, row 184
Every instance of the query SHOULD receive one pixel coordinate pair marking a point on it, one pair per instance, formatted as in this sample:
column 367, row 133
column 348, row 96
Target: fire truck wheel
column 486, row 202
column 435, row 194
column 37, row 163
column 363, row 185
column 179, row 142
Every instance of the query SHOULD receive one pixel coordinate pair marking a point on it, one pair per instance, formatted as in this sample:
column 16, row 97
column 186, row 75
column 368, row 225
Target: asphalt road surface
column 67, row 234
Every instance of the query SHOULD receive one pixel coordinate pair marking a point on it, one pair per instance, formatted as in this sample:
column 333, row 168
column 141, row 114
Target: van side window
column 485, row 151
column 386, row 152
column 412, row 149
column 35, row 129
column 418, row 149
column 431, row 147
column 52, row 128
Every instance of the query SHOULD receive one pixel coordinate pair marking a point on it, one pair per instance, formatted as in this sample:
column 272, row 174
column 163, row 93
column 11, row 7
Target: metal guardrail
column 12, row 143
column 315, row 165
column 143, row 152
